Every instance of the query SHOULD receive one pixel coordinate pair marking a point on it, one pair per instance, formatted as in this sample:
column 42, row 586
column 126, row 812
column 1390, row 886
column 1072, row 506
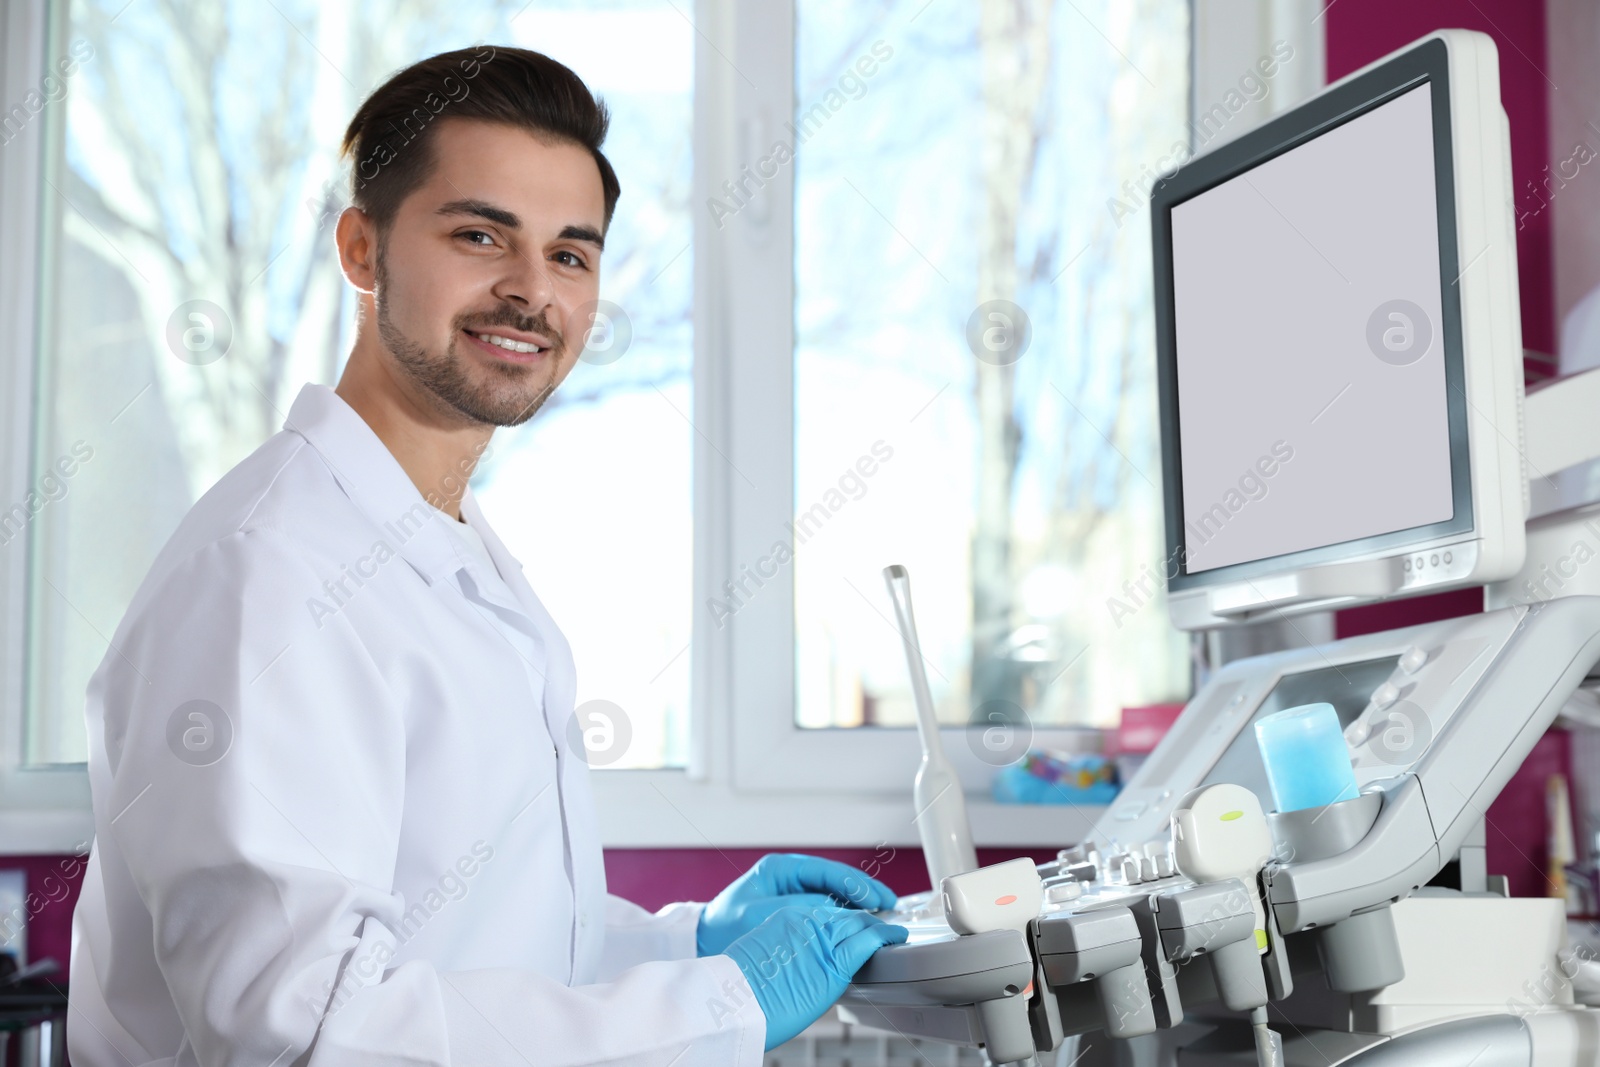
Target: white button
column 1004, row 896
column 1357, row 732
column 1385, row 694
column 1412, row 659
column 1061, row 892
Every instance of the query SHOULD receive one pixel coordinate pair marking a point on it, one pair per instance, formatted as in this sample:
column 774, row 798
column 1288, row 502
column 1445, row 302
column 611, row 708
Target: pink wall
column 1572, row 201
column 52, row 884
column 1517, row 823
column 652, row 877
column 1358, row 32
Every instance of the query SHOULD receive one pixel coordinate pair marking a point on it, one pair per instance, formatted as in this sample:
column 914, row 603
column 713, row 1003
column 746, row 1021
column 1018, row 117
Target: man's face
column 500, row 244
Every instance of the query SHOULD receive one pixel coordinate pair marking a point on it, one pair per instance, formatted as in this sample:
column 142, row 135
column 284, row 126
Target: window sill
column 26, row 832
column 663, row 809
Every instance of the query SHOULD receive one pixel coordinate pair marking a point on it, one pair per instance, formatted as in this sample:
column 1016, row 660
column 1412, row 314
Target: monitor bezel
column 1425, row 65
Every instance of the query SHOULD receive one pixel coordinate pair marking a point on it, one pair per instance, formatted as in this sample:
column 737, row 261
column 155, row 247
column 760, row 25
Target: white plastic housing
column 1491, row 340
column 1004, row 896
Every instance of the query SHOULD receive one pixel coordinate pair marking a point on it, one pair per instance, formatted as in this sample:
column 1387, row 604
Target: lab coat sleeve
column 262, row 838
column 634, row 935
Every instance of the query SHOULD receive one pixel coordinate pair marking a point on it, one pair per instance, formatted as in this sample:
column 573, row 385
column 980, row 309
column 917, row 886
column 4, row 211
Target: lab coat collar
column 501, row 587
column 509, row 566
column 503, row 559
column 370, row 475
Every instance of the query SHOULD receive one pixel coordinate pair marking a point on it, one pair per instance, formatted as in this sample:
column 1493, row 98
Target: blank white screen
column 1277, row 275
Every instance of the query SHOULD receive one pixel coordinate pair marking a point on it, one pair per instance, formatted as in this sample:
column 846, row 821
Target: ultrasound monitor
column 1339, row 350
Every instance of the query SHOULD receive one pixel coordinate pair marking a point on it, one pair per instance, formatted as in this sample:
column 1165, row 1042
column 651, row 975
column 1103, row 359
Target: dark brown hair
column 389, row 142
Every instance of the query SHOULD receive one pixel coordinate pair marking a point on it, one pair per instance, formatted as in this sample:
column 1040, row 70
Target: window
column 795, row 331
column 973, row 326
column 191, row 170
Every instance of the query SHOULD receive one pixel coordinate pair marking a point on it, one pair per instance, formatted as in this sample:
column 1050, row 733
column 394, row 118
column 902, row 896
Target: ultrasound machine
column 1296, row 875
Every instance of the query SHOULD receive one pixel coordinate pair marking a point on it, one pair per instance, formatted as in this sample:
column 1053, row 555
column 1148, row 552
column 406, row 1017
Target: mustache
column 514, row 320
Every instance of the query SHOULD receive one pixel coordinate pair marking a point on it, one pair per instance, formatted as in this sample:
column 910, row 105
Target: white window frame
column 44, row 809
column 753, row 778
column 761, row 759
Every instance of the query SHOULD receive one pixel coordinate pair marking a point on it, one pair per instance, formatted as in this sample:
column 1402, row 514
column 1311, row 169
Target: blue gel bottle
column 1307, row 760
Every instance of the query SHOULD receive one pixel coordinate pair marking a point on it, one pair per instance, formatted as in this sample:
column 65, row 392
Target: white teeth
column 508, row 343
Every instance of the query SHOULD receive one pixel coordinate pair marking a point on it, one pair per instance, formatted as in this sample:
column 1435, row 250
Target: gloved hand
column 800, row 960
column 783, row 880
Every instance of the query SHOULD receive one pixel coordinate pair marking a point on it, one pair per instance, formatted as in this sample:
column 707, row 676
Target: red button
column 1007, row 899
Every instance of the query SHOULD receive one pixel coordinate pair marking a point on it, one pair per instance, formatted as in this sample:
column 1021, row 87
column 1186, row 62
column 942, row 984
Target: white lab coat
column 381, row 848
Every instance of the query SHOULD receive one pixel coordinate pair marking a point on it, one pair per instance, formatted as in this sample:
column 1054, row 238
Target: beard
column 503, row 394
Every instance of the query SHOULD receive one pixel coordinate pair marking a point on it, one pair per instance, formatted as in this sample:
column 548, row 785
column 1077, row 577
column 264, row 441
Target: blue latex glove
column 800, row 960
column 784, row 880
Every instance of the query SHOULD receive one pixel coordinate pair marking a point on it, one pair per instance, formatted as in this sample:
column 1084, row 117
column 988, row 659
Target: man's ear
column 356, row 236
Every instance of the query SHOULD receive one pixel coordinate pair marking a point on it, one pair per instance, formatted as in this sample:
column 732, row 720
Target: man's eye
column 471, row 236
column 577, row 260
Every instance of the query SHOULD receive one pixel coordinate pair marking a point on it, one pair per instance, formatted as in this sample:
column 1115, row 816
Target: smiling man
column 341, row 813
